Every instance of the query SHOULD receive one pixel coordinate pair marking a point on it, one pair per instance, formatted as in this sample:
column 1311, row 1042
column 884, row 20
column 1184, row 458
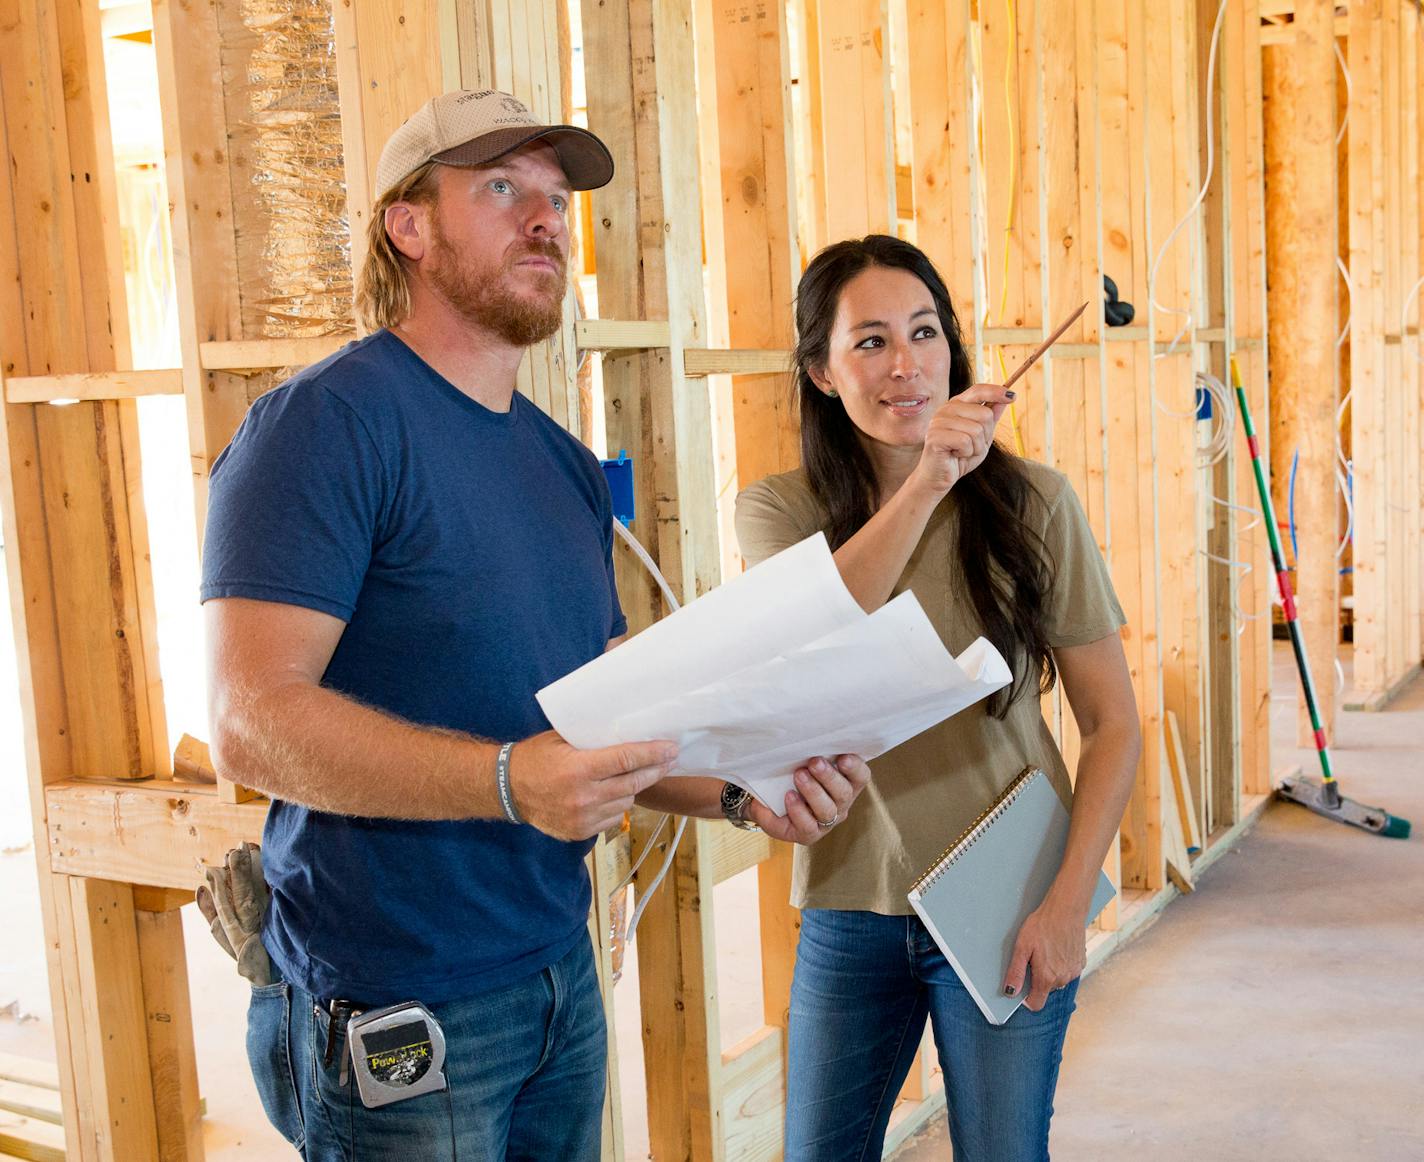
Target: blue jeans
column 525, row 1064
column 863, row 986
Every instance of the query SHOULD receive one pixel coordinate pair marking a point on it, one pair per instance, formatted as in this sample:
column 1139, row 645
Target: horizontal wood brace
column 158, row 832
column 732, row 850
column 1033, row 336
column 92, row 386
column 252, row 355
column 621, row 334
column 1285, row 33
column 752, row 1095
column 699, row 361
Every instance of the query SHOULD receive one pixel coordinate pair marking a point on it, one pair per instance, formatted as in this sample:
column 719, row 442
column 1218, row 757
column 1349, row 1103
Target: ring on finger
column 827, row 824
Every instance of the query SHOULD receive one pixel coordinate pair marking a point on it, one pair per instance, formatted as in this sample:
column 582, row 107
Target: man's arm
column 275, row 728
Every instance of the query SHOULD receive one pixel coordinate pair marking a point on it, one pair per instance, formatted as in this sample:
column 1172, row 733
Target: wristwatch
column 734, row 802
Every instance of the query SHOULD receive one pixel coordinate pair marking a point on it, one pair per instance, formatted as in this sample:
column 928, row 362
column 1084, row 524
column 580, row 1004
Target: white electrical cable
column 1223, row 420
column 646, row 894
column 1223, row 402
column 637, row 863
column 642, row 554
column 1345, row 69
column 1152, row 302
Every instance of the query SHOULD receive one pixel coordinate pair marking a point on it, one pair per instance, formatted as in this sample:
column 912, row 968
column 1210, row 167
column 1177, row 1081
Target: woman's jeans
column 863, row 986
column 525, row 1066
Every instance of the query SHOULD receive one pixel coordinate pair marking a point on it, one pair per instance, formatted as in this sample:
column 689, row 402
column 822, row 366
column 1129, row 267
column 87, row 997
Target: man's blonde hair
column 382, row 291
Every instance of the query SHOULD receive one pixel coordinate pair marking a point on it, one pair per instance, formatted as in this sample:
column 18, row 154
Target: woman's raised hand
column 959, row 436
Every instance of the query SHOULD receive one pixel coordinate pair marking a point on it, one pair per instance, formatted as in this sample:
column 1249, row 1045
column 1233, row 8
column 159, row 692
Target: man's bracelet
column 501, row 782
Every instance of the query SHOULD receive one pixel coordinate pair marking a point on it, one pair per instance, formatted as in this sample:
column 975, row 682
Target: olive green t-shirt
column 926, row 791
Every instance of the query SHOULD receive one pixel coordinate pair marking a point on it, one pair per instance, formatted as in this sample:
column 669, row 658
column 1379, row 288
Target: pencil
column 1045, row 345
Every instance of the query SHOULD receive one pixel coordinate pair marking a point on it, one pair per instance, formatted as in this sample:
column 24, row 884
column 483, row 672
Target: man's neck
column 478, row 362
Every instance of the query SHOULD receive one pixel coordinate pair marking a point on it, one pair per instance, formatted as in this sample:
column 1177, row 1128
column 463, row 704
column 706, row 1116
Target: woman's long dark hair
column 1006, row 569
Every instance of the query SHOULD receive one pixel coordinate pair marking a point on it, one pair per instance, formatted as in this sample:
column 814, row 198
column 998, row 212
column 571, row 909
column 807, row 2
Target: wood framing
column 1383, row 419
column 1301, row 225
column 1030, row 148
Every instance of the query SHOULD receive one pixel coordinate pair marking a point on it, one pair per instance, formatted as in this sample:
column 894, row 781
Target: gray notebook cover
column 976, row 898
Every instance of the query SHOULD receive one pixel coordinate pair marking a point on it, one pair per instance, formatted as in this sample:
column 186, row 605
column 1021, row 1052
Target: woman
column 902, row 474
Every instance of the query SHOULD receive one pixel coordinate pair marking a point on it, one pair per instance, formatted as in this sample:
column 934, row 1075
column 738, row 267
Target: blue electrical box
column 1203, row 404
column 619, row 474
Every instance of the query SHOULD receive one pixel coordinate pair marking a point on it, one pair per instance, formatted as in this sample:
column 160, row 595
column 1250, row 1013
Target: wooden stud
column 649, row 267
column 943, row 154
column 758, row 223
column 1132, row 475
column 1243, row 163
column 110, row 992
column 77, row 551
column 187, row 47
column 608, row 865
column 1301, row 247
column 168, row 1019
column 858, row 137
column 1173, row 177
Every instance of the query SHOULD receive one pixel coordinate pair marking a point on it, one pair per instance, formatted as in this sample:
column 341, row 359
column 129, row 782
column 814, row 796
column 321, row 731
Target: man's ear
column 408, row 227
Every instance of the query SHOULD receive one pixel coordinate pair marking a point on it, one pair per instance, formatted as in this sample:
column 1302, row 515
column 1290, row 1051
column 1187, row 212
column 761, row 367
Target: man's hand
column 1053, row 942
column 575, row 794
column 825, row 790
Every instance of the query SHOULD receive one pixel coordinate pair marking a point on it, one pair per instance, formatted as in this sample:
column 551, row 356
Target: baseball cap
column 473, row 128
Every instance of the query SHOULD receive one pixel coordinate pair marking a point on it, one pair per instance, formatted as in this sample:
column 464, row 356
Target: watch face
column 733, row 799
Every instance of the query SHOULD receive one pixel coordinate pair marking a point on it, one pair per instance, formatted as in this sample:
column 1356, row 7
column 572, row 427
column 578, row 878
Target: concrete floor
column 1277, row 1012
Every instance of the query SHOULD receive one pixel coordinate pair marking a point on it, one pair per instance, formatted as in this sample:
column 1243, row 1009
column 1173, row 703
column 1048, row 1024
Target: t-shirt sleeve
column 766, row 523
column 295, row 504
column 1082, row 605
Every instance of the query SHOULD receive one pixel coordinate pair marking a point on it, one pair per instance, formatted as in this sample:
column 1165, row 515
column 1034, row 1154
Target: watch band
column 734, row 803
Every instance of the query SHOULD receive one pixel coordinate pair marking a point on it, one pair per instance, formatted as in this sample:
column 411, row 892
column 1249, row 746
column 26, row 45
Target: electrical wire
column 642, row 855
column 1345, row 70
column 1217, row 445
column 642, row 554
column 646, row 894
column 1191, row 210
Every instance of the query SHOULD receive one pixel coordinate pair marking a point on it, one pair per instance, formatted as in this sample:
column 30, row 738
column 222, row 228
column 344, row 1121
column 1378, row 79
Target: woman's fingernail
column 1009, row 990
column 802, row 777
column 1011, row 395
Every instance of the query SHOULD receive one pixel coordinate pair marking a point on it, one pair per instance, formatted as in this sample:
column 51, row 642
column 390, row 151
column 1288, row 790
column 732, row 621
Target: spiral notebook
column 985, row 885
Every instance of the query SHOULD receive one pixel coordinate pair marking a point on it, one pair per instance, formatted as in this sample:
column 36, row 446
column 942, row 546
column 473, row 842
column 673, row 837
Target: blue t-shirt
column 469, row 553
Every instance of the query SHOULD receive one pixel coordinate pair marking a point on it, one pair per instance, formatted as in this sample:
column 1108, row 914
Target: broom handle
column 1282, row 577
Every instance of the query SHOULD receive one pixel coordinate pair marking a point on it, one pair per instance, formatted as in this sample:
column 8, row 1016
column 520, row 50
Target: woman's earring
column 831, row 391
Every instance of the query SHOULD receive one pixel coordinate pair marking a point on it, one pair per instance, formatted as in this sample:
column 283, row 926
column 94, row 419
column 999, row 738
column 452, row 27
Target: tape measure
column 396, row 1053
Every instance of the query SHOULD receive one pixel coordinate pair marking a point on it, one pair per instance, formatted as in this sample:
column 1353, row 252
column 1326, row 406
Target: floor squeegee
column 1321, row 796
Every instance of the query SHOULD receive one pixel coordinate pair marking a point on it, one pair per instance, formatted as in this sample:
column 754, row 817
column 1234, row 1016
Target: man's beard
column 485, row 298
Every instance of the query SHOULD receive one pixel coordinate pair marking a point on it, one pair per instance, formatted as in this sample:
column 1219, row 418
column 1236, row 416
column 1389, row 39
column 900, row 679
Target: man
column 400, row 552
